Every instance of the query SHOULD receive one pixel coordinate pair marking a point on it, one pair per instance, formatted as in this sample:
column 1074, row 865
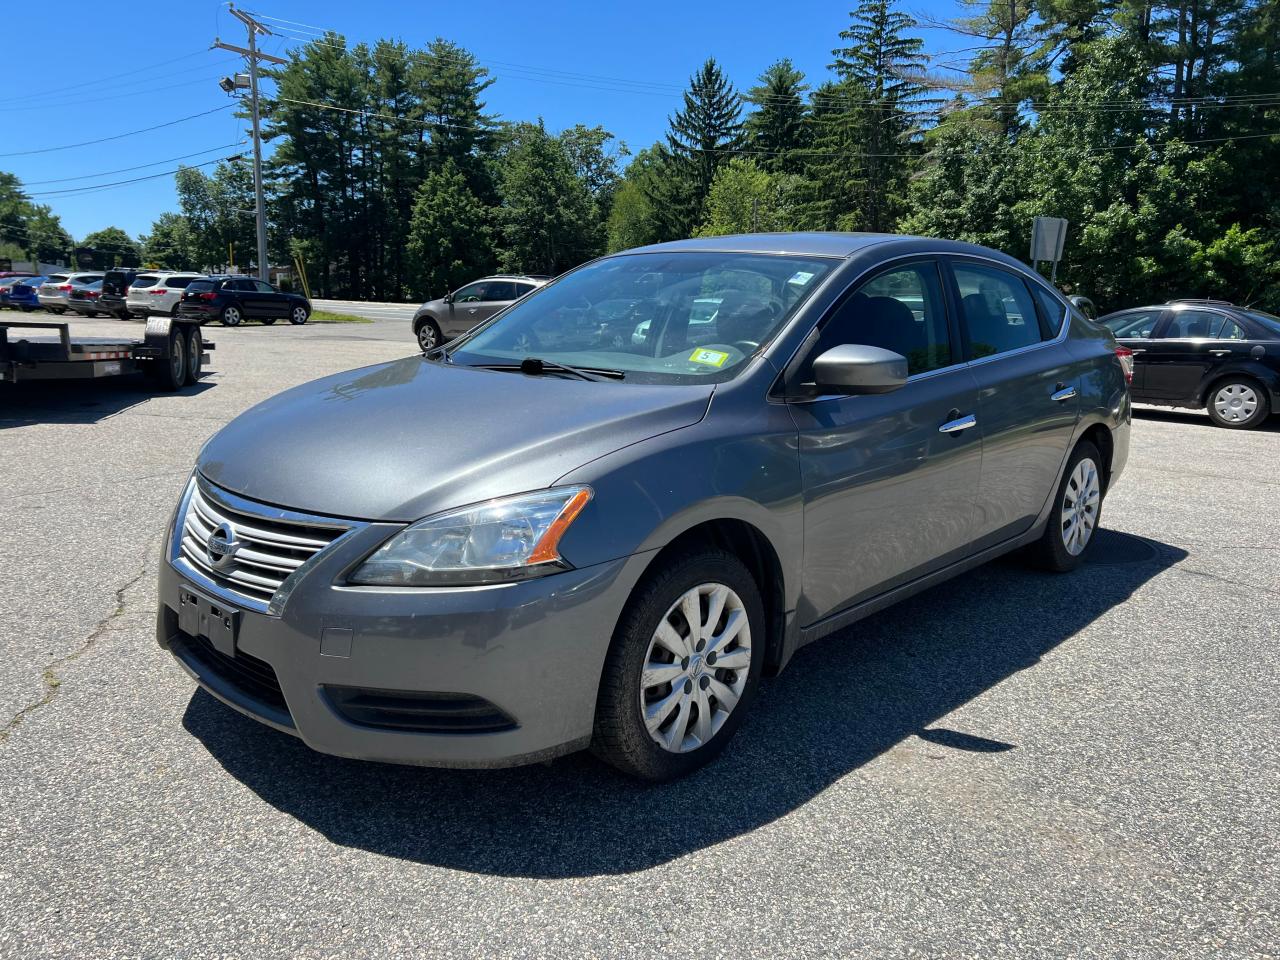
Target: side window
column 1133, row 326
column 1192, row 325
column 178, row 283
column 1231, row 330
column 997, row 310
column 1052, row 311
column 263, row 287
column 470, row 293
column 501, row 290
column 900, row 310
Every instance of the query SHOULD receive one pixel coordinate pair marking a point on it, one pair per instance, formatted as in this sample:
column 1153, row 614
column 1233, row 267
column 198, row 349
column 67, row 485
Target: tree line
column 1154, row 128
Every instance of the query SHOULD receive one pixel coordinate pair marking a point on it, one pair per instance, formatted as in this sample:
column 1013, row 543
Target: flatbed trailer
column 171, row 353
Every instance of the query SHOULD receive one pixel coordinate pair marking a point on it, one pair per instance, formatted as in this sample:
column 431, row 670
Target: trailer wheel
column 170, row 374
column 195, row 354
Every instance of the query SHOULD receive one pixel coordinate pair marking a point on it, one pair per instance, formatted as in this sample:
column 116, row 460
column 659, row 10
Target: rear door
column 1028, row 393
column 1179, row 355
column 1133, row 329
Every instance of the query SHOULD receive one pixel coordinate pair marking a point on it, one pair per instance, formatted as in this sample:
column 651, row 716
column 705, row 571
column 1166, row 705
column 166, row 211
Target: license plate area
column 200, row 616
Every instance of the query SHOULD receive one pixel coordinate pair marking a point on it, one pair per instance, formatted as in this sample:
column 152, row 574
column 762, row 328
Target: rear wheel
column 682, row 668
column 171, row 373
column 195, row 353
column 1238, row 404
column 1076, row 512
column 231, row 316
column 298, row 315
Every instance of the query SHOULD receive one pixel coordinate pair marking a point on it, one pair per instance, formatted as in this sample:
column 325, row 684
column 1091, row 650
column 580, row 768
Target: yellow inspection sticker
column 712, row 358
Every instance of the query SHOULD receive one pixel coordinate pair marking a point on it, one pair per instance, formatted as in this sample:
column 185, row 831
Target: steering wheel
column 746, row 346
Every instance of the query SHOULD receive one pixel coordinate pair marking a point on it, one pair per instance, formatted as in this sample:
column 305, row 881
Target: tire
column 195, row 353
column 57, row 311
column 429, row 336
column 1074, row 518
column 170, row 374
column 268, row 321
column 1238, row 403
column 638, row 662
column 173, row 311
column 231, row 316
column 298, row 315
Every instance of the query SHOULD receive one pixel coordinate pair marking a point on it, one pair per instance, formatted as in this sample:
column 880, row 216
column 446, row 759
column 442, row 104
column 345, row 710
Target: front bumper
column 533, row 649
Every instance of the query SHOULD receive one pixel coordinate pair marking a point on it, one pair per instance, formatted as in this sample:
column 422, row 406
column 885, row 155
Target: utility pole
column 253, row 56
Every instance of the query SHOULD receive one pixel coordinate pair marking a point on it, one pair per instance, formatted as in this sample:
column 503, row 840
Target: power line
column 127, row 73
column 28, row 106
column 118, row 136
column 141, row 166
column 122, row 183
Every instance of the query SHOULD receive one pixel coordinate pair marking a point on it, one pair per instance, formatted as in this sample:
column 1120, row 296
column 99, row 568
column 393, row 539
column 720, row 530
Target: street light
column 239, row 81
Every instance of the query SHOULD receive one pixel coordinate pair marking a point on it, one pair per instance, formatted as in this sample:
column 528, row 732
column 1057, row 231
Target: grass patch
column 324, row 316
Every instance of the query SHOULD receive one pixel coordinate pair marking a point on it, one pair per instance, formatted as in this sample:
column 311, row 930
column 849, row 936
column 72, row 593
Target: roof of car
column 816, row 244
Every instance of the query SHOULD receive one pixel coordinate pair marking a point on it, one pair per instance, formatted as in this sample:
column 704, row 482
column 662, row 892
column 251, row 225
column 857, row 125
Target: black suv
column 1206, row 354
column 233, row 300
column 115, row 288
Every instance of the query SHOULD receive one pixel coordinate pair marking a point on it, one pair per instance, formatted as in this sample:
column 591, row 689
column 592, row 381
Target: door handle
column 959, row 424
column 472, row 310
column 1220, row 353
column 1063, row 393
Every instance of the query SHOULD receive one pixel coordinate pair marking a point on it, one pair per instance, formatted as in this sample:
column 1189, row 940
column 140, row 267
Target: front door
column 1133, row 329
column 270, row 301
column 889, row 480
column 1028, row 389
column 476, row 302
column 1179, row 354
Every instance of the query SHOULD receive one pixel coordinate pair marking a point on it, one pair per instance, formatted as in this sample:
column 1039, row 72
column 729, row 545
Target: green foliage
column 779, row 128
column 745, row 198
column 29, row 230
column 114, row 247
column 448, row 234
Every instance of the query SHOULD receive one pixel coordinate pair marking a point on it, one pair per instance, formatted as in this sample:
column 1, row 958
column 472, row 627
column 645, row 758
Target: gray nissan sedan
column 594, row 522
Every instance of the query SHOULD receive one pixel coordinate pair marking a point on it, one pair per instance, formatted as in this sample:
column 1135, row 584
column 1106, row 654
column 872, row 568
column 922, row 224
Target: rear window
column 143, row 281
column 56, row 278
column 178, row 283
column 200, row 286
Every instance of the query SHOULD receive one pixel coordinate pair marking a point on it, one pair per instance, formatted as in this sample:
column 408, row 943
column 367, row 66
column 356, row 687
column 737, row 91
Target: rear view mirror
column 448, row 298
column 857, row 368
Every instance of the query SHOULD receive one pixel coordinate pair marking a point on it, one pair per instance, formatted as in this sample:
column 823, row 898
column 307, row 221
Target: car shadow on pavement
column 1197, row 418
column 78, row 401
column 841, row 703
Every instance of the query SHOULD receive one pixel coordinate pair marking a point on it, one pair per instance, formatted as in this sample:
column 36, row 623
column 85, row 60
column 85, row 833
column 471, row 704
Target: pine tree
column 449, row 241
column 702, row 137
column 779, row 127
column 880, row 57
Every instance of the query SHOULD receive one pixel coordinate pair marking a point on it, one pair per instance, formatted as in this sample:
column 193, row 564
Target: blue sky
column 549, row 60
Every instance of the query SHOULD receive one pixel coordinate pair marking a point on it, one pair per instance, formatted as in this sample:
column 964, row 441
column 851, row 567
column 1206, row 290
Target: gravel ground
column 1012, row 764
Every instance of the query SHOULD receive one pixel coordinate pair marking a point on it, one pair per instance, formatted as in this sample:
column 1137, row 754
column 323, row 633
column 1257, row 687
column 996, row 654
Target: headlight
column 514, row 538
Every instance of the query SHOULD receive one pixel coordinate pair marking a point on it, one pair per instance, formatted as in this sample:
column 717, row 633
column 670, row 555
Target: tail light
column 1125, row 356
column 93, row 294
column 156, row 293
column 65, row 288
column 205, row 296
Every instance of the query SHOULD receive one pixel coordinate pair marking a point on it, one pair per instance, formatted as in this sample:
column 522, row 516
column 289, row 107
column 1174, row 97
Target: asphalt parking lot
column 1012, row 764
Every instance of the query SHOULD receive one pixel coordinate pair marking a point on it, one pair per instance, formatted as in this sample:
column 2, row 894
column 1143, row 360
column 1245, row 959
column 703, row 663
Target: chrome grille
column 274, row 543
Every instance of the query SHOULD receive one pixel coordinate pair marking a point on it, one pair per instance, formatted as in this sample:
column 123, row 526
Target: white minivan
column 157, row 292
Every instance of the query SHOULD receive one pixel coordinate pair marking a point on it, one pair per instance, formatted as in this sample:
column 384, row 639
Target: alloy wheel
column 696, row 668
column 427, row 339
column 231, row 316
column 299, row 315
column 1235, row 402
column 1080, row 503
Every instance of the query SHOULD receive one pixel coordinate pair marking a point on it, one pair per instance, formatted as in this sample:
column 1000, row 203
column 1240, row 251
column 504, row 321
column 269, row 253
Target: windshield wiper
column 439, row 352
column 536, row 367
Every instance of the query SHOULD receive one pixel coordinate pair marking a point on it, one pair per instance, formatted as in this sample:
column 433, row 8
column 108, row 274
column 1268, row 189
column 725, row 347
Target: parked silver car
column 55, row 293
column 158, row 292
column 452, row 315
column 539, row 539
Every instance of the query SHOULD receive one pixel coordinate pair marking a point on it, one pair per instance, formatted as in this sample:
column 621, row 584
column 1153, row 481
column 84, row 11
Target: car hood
column 403, row 440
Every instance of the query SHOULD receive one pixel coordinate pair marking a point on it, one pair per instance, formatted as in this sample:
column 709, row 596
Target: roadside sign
column 1048, row 235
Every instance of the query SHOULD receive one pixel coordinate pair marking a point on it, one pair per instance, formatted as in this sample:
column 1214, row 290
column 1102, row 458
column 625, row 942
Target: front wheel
column 231, row 316
column 1076, row 512
column 1238, row 404
column 298, row 315
column 428, row 336
column 682, row 668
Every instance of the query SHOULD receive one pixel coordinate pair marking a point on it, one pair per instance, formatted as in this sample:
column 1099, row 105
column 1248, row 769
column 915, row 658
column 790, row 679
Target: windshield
column 657, row 318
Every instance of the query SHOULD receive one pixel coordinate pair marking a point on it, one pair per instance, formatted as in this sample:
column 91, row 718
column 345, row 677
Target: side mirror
column 857, row 368
column 447, row 298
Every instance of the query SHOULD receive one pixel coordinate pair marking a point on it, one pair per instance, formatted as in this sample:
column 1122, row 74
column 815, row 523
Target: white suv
column 157, row 292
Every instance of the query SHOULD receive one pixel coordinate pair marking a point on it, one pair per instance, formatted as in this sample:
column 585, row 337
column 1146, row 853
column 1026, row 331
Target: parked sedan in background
column 158, row 292
column 454, row 314
column 1204, row 354
column 20, row 293
column 84, row 299
column 55, row 292
column 233, row 300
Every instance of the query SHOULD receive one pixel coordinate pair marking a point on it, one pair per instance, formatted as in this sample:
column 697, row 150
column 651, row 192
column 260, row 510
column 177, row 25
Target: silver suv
column 55, row 293
column 455, row 313
column 157, row 292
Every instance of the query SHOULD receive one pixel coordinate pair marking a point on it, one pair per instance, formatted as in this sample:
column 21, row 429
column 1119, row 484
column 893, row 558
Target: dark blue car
column 20, row 292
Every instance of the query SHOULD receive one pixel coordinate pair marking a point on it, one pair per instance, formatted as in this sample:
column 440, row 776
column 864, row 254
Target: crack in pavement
column 49, row 675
